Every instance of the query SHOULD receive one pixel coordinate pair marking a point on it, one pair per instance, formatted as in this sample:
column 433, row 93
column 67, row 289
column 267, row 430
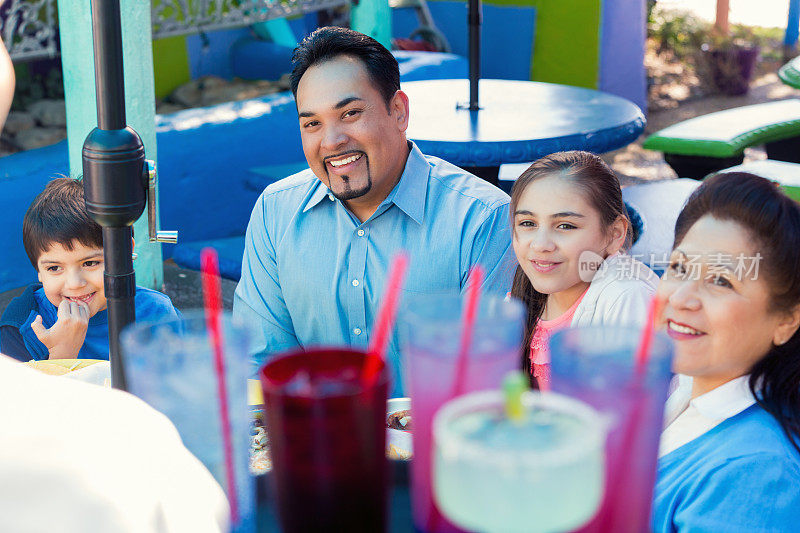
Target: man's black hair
column 58, row 215
column 330, row 42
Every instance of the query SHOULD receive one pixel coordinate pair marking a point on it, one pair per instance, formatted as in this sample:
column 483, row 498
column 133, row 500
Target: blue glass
column 170, row 365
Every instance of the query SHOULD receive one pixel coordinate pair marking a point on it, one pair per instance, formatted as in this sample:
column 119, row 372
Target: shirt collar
column 408, row 195
column 721, row 403
column 726, row 400
column 320, row 193
column 412, row 190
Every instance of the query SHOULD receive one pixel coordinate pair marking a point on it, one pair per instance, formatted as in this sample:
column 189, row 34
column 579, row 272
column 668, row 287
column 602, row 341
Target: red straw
column 212, row 297
column 646, row 341
column 474, row 283
column 385, row 320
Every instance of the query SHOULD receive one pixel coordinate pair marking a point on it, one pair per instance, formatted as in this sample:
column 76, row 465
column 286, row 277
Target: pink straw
column 212, row 298
column 646, row 341
column 474, row 283
column 637, row 413
column 385, row 320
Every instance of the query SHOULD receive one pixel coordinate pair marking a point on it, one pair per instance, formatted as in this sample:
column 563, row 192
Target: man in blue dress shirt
column 319, row 243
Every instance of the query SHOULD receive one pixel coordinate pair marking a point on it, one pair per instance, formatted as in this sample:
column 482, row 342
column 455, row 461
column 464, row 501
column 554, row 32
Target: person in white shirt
column 76, row 457
column 730, row 452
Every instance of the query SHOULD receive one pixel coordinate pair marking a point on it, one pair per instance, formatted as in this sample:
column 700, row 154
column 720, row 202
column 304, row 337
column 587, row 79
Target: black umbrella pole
column 120, row 287
column 474, row 20
column 108, row 67
column 113, row 177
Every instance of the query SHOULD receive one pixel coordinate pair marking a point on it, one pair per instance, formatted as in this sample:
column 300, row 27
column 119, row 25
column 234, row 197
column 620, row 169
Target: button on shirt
column 313, row 274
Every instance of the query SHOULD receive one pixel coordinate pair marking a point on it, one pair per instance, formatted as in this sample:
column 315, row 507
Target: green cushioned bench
column 790, row 73
column 699, row 146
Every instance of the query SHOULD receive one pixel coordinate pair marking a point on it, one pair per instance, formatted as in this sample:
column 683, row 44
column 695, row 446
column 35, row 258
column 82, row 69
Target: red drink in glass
column 327, row 432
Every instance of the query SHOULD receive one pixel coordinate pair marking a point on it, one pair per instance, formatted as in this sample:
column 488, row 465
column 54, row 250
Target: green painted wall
column 170, row 64
column 566, row 46
column 77, row 61
column 373, row 17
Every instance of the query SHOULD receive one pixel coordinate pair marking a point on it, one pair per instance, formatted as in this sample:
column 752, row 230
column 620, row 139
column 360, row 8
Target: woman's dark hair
column 772, row 221
column 58, row 215
column 330, row 42
column 600, row 188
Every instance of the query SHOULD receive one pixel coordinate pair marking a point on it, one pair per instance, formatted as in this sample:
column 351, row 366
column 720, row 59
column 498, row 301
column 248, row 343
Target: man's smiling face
column 352, row 140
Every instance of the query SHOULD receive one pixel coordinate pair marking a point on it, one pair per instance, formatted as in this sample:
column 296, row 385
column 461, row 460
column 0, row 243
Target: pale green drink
column 543, row 473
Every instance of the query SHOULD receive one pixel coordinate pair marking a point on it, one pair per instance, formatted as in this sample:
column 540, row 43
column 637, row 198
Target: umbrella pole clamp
column 163, row 236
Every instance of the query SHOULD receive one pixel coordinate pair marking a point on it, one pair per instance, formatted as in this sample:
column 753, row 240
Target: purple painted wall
column 622, row 41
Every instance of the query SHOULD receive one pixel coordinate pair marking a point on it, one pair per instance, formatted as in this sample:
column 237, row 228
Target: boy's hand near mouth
column 65, row 338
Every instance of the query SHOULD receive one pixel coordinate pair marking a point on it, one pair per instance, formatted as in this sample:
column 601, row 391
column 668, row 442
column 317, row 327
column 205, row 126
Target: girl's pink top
column 540, row 345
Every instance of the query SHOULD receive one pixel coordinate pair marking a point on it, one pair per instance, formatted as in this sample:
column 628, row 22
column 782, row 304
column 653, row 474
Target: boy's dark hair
column 330, row 42
column 58, row 215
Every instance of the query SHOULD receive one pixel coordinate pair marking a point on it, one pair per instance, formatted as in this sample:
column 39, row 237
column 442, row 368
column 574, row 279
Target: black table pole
column 474, row 21
column 113, row 177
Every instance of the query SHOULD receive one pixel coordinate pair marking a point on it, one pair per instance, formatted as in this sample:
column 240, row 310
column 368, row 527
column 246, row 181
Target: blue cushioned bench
column 230, row 251
column 702, row 145
column 658, row 205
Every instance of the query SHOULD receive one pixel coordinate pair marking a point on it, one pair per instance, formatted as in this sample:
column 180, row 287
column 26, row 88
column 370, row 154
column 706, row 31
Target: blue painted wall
column 506, row 35
column 210, row 53
column 22, row 177
column 622, row 41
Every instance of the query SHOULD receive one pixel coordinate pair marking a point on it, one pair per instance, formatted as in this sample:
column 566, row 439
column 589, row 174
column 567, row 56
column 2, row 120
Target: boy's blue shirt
column 150, row 305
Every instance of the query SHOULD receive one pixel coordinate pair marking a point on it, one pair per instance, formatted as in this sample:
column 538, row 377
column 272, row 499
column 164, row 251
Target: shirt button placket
column 357, row 263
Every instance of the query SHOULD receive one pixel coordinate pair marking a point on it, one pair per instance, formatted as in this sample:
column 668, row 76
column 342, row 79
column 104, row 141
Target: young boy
column 64, row 316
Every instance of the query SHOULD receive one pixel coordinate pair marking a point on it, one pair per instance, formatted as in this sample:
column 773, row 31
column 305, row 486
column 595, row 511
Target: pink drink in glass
column 431, row 326
column 596, row 365
column 327, row 432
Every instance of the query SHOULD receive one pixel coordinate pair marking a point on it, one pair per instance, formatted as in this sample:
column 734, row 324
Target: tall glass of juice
column 597, row 366
column 540, row 473
column 431, row 326
column 327, row 432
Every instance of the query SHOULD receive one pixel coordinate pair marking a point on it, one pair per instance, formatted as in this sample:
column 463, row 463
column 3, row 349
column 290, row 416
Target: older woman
column 729, row 458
